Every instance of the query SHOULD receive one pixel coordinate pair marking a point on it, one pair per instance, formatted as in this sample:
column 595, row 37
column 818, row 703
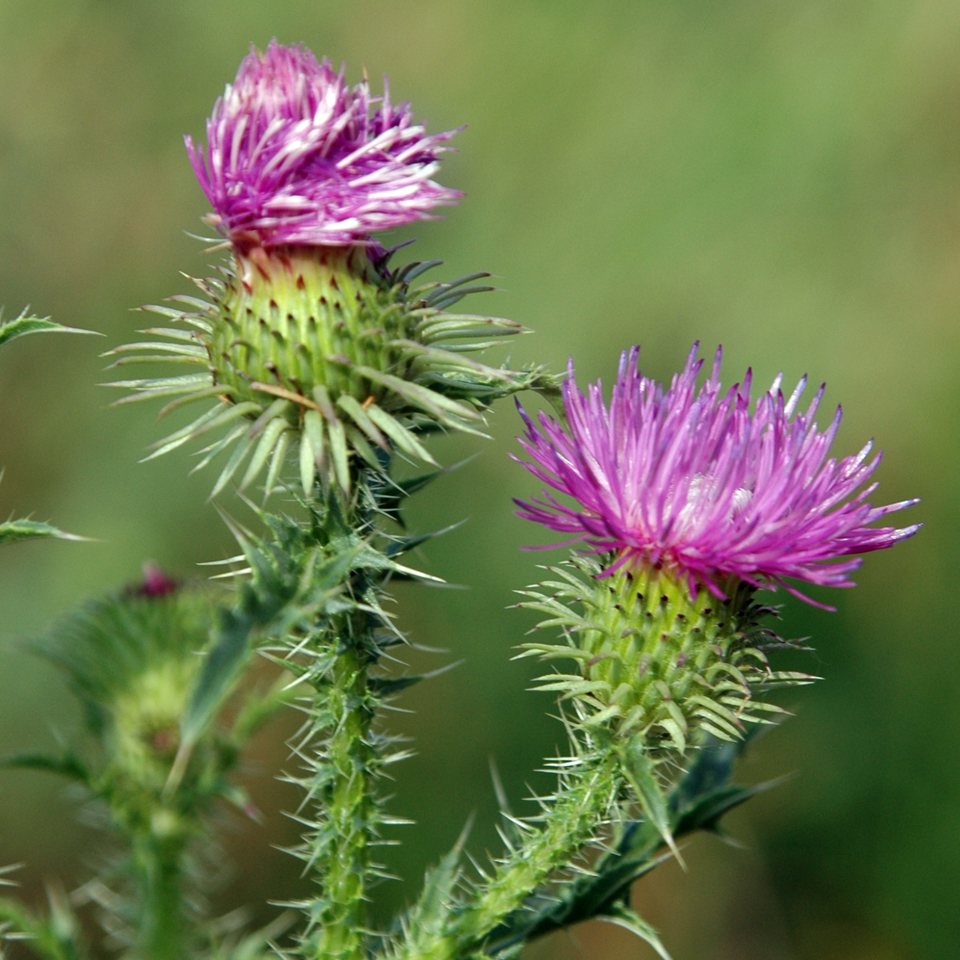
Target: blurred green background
column 783, row 178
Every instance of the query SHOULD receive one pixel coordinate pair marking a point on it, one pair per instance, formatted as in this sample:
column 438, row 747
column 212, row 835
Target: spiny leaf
column 630, row 920
column 436, row 900
column 48, row 938
column 388, row 686
column 23, row 325
column 706, row 812
column 639, row 770
column 260, row 603
column 15, row 530
column 697, row 802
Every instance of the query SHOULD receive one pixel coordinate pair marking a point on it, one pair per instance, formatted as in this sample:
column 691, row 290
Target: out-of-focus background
column 783, row 178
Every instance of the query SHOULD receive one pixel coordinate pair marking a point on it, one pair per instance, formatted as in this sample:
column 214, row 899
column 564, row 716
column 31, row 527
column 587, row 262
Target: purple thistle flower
column 689, row 479
column 294, row 156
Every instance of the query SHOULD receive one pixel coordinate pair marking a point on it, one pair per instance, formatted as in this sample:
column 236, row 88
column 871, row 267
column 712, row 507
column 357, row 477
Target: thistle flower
column 309, row 338
column 690, row 480
column 294, row 156
column 675, row 489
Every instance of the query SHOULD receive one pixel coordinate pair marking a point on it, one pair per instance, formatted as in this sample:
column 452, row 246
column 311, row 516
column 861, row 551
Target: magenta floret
column 691, row 479
column 295, row 156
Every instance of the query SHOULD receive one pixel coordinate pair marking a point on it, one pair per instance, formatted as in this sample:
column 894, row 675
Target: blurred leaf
column 23, row 325
column 67, row 764
column 220, row 670
column 52, row 938
column 260, row 602
column 15, row 530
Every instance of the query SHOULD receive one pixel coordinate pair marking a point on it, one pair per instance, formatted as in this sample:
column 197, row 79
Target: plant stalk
column 343, row 840
column 159, row 862
column 580, row 806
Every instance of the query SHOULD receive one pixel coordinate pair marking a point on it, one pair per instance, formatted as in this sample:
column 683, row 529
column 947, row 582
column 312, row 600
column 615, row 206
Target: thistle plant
column 330, row 369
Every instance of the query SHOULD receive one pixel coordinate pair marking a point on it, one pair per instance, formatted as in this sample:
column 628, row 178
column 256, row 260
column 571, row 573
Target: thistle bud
column 308, row 337
column 132, row 659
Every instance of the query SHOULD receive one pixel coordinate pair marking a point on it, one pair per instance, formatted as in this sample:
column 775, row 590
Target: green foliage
column 54, row 937
column 659, row 669
column 155, row 667
column 538, row 849
column 355, row 364
column 332, row 635
column 13, row 531
column 697, row 802
column 23, row 324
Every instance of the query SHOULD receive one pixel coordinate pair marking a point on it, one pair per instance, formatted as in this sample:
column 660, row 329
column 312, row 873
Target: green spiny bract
column 327, row 348
column 655, row 664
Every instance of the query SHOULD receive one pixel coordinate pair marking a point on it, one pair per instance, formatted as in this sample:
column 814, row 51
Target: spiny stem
column 570, row 822
column 342, row 844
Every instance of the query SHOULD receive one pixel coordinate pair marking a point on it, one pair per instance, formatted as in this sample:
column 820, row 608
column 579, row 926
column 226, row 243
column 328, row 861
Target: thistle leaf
column 23, row 325
column 436, row 899
column 67, row 764
column 706, row 811
column 15, row 530
column 223, row 664
column 639, row 768
column 630, row 920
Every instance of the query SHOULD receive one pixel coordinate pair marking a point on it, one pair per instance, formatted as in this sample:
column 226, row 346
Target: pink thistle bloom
column 294, row 156
column 691, row 480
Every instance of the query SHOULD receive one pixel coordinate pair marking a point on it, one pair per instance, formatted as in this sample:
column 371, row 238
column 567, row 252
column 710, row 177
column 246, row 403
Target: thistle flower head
column 308, row 341
column 295, row 156
column 691, row 480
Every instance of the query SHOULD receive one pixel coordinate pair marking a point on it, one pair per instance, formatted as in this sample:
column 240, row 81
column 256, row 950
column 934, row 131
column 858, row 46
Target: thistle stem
column 159, row 862
column 571, row 821
column 341, row 846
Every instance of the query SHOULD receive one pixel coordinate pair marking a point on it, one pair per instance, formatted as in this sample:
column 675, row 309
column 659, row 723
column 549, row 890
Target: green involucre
column 327, row 350
column 653, row 662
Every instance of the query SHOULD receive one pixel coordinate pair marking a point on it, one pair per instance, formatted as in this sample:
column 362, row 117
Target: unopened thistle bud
column 308, row 337
column 132, row 658
column 685, row 503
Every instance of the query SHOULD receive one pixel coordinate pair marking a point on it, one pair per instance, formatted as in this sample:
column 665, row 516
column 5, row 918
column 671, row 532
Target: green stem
column 349, row 812
column 570, row 823
column 159, row 862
